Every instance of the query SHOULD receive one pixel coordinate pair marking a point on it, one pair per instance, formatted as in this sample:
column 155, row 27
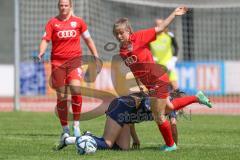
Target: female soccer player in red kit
column 65, row 31
column 134, row 50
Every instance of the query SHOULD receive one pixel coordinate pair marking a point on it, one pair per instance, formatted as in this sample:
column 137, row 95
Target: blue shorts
column 173, row 114
column 123, row 110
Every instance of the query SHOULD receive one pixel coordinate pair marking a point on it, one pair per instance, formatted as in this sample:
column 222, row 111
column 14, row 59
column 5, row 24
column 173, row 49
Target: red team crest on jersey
column 130, row 47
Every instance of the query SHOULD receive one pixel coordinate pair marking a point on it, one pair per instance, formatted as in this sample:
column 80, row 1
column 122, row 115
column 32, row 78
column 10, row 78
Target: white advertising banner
column 7, row 80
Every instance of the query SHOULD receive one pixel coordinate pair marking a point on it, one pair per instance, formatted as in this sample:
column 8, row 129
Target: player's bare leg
column 124, row 138
column 115, row 137
column 174, row 85
column 111, row 131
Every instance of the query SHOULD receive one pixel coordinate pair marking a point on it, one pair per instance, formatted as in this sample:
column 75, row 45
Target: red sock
column 182, row 102
column 165, row 129
column 76, row 107
column 62, row 110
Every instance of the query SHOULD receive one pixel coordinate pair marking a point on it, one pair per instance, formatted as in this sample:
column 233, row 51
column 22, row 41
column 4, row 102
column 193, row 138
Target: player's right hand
column 40, row 55
column 136, row 145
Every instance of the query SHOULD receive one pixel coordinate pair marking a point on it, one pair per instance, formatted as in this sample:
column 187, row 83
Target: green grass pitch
column 27, row 135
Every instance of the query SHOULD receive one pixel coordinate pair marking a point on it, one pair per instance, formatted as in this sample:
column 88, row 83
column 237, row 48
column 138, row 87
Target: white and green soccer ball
column 86, row 145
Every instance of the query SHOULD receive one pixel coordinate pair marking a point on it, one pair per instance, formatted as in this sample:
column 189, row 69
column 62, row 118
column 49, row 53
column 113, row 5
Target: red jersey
column 138, row 57
column 65, row 37
column 138, row 50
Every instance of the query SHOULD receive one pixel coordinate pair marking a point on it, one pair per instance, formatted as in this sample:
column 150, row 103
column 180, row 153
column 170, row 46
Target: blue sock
column 101, row 144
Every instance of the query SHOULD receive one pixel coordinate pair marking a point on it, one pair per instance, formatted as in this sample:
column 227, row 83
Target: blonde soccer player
column 135, row 51
column 65, row 30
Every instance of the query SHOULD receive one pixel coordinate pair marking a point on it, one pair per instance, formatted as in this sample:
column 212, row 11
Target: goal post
column 17, row 56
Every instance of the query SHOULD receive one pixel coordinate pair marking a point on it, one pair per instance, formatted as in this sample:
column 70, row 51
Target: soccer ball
column 86, row 145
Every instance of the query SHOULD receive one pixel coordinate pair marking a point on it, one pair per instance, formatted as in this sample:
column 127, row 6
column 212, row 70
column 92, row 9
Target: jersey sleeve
column 83, row 26
column 48, row 32
column 147, row 35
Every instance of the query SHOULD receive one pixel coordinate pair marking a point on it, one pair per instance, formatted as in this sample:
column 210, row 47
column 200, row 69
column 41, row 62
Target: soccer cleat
column 76, row 132
column 168, row 149
column 62, row 143
column 203, row 99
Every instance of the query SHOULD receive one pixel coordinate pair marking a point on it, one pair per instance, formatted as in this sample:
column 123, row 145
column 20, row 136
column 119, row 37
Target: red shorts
column 158, row 86
column 63, row 72
column 154, row 77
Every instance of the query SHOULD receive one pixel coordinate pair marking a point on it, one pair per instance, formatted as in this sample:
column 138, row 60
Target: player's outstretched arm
column 177, row 12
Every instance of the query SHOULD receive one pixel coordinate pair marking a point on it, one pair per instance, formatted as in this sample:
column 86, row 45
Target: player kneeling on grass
column 124, row 111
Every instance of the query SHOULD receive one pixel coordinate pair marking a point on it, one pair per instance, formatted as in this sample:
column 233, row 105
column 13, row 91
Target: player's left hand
column 181, row 10
column 94, row 68
column 99, row 65
column 136, row 144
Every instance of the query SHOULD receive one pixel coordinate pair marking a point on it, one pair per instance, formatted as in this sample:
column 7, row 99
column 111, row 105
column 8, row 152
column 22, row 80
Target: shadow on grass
column 152, row 148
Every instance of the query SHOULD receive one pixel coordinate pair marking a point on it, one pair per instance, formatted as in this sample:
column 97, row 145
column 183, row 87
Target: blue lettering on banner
column 205, row 76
